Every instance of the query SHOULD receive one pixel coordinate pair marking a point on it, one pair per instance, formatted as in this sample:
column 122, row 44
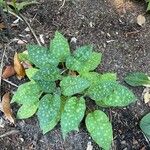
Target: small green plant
column 14, row 5
column 138, row 79
column 61, row 83
column 141, row 79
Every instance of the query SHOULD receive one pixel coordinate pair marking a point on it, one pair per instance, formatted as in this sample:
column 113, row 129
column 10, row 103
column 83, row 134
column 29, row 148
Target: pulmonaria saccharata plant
column 59, row 85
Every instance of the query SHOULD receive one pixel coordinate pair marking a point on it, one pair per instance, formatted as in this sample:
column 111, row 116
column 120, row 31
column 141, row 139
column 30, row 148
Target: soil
column 112, row 27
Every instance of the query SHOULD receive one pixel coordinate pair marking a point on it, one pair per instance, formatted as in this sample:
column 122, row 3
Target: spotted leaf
column 49, row 112
column 111, row 93
column 76, row 64
column 47, row 73
column 92, row 63
column 27, row 93
column 100, row 128
column 41, row 56
column 92, row 77
column 27, row 110
column 72, row 115
column 73, row 85
column 108, row 76
column 83, row 53
column 59, row 47
column 46, row 86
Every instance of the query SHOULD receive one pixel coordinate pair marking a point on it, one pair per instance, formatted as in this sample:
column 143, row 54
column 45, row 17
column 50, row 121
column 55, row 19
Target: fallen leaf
column 141, row 20
column 21, row 42
column 2, row 26
column 18, row 67
column 26, row 64
column 7, row 108
column 8, row 72
column 146, row 95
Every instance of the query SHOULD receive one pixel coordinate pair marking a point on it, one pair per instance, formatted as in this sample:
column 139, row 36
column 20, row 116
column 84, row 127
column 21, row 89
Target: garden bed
column 125, row 47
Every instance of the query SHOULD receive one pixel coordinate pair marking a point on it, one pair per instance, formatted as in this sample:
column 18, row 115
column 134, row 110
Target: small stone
column 74, row 40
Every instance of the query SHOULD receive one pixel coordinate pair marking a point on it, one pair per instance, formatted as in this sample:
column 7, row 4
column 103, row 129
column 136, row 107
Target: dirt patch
column 125, row 47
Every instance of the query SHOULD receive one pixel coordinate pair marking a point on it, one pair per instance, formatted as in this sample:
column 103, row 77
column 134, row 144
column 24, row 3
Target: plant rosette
column 60, row 82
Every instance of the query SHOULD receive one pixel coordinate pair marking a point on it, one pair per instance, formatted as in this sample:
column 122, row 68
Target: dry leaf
column 146, row 95
column 7, row 108
column 18, row 67
column 141, row 20
column 26, row 64
column 2, row 26
column 8, row 72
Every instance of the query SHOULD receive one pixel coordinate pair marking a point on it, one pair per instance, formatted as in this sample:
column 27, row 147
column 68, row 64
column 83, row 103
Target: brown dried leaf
column 7, row 108
column 8, row 72
column 18, row 67
column 147, row 97
column 26, row 64
column 141, row 20
column 2, row 26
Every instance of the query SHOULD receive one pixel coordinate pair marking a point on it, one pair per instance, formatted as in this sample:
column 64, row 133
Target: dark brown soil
column 114, row 32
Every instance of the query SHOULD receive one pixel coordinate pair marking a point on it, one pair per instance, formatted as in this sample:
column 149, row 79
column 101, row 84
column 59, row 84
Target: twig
column 32, row 31
column 12, row 13
column 62, row 5
column 9, row 133
column 1, row 67
column 13, row 84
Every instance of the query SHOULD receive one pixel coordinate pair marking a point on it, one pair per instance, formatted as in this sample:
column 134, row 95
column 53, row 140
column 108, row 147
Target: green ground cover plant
column 61, row 84
column 141, row 79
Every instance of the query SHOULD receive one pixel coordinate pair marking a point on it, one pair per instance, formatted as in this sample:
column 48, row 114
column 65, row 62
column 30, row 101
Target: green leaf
column 83, row 53
column 59, row 47
column 31, row 72
column 72, row 115
column 92, row 77
column 27, row 110
column 21, row 5
column 110, row 93
column 148, row 7
column 49, row 112
column 137, row 79
column 95, row 77
column 73, row 64
column 23, row 57
column 47, row 86
column 90, row 64
column 27, row 93
column 1, row 3
column 47, row 73
column 108, row 76
column 73, row 85
column 100, row 128
column 145, row 124
column 41, row 56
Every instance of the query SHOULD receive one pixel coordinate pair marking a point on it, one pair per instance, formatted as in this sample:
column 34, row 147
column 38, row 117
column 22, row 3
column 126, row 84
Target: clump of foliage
column 141, row 79
column 60, row 85
column 14, row 5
